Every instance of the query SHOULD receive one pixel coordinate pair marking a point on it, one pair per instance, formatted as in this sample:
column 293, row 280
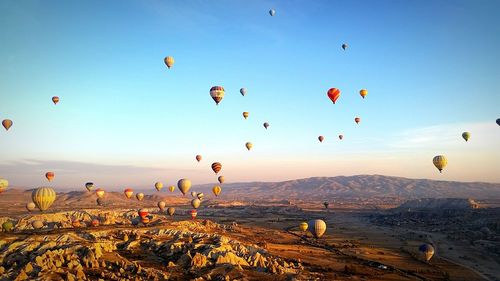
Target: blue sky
column 431, row 69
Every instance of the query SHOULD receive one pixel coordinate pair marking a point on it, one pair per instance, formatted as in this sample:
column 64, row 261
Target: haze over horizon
column 124, row 119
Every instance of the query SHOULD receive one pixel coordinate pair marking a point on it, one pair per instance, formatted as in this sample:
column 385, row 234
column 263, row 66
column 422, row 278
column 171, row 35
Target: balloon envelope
column 341, row 137
column 100, row 193
column 321, row 138
column 498, row 121
column 216, row 167
column 162, row 205
column 30, row 206
column 317, row 227
column 43, row 197
column 245, row 114
column 143, row 212
column 158, row 186
column 357, row 120
column 427, row 251
column 303, row 226
column 50, row 176
column 184, row 185
column 333, row 94
column 221, row 179
column 55, row 99
column 193, row 193
column 37, row 224
column 195, row 203
column 266, row 125
column 344, row 46
column 272, row 12
column 466, row 136
column 169, row 61
column 89, row 186
column 200, row 195
column 217, row 94
column 7, row 123
column 139, row 196
column 3, row 184
column 193, row 213
column 243, row 91
column 7, row 226
column 198, row 158
column 128, row 192
column 249, row 145
column 363, row 93
column 216, row 190
column 170, row 211
column 171, row 188
column 440, row 161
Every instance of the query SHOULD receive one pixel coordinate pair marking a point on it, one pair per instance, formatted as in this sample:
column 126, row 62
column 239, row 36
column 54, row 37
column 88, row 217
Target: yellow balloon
column 171, row 188
column 440, row 162
column 158, row 186
column 3, row 184
column 303, row 226
column 43, row 197
column 184, row 185
column 245, row 115
column 169, row 61
column 363, row 93
column 249, row 145
column 216, row 190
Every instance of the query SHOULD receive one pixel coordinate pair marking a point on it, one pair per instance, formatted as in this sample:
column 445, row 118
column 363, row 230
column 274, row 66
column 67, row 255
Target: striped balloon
column 43, row 197
column 317, row 227
column 128, row 192
column 217, row 94
column 50, row 176
column 216, row 167
column 440, row 162
column 333, row 94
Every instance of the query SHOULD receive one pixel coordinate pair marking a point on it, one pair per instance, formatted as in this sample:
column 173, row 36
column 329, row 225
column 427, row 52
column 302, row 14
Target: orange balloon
column 50, row 176
column 128, row 192
column 7, row 123
column 100, row 193
column 198, row 158
column 216, row 167
column 357, row 120
column 333, row 94
column 321, row 138
column 55, row 99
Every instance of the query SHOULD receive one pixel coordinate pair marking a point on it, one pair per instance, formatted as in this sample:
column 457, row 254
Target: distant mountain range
column 318, row 188
column 363, row 186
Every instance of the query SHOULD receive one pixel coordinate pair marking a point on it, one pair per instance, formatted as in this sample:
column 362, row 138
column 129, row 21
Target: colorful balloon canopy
column 195, row 203
column 171, row 188
column 221, row 179
column 139, row 196
column 89, row 186
column 440, row 162
column 158, row 186
column 43, row 197
column 333, row 94
column 216, row 190
column 245, row 115
column 193, row 213
column 466, row 136
column 426, row 251
column 272, row 12
column 266, row 125
column 321, row 138
column 249, row 145
column 317, row 227
column 50, row 176
column 216, row 167
column 200, row 195
column 3, row 184
column 217, row 94
column 363, row 93
column 357, row 120
column 194, row 193
column 198, row 158
column 55, row 99
column 95, row 223
column 128, row 192
column 100, row 193
column 184, row 185
column 303, row 226
column 143, row 212
column 7, row 123
column 243, row 91
column 170, row 211
column 169, row 61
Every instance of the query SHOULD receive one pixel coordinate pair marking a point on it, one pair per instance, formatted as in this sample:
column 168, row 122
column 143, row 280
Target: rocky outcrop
column 439, row 204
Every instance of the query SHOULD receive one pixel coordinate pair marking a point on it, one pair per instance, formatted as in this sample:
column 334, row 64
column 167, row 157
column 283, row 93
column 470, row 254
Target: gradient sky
column 431, row 68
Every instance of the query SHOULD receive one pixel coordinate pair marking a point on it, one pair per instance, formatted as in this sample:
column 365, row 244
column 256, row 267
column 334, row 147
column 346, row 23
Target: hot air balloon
column 326, row 204
column 321, row 138
column 100, row 193
column 216, row 190
column 498, row 121
column 171, row 188
column 440, row 162
column 128, row 192
column 162, row 205
column 363, row 93
column 243, row 91
column 7, row 123
column 169, row 61
column 466, row 136
column 341, row 137
column 426, row 251
column 94, row 223
column 7, row 226
column 170, row 211
column 89, row 186
column 198, row 158
column 30, row 206
column 221, row 179
column 249, row 145
column 158, row 186
column 143, row 212
column 100, row 202
column 200, row 195
column 37, row 224
column 317, row 227
column 195, row 203
column 303, row 226
column 344, row 46
column 3, row 184
column 43, row 197
column 216, row 167
column 193, row 193
column 245, row 114
column 193, row 213
column 184, row 185
column 139, row 196
column 55, row 99
column 145, row 220
column 50, row 176
column 357, row 120
column 272, row 12
column 266, row 125
column 217, row 94
column 333, row 94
